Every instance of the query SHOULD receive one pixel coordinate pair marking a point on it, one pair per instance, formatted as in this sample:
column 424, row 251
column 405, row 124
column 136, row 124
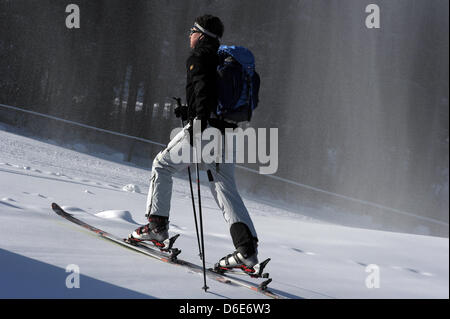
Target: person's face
column 194, row 36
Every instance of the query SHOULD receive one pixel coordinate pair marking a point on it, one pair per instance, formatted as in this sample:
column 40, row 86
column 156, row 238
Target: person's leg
column 224, row 190
column 160, row 191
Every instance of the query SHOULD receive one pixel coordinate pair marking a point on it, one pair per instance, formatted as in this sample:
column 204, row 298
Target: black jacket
column 201, row 87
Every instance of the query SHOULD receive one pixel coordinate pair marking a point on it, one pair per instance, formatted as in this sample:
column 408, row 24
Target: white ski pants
column 223, row 185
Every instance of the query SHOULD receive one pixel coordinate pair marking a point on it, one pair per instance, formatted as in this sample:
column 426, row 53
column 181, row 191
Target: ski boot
column 156, row 231
column 248, row 265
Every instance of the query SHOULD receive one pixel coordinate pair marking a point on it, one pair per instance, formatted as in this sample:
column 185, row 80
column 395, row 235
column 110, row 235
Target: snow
column 310, row 258
column 120, row 215
column 131, row 188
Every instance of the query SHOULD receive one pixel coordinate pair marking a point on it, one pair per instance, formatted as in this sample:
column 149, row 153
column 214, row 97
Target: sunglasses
column 194, row 30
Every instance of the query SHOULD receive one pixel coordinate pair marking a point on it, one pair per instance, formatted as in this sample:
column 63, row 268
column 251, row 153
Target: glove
column 181, row 111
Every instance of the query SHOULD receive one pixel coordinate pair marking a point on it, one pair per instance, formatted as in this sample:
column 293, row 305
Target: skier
column 201, row 97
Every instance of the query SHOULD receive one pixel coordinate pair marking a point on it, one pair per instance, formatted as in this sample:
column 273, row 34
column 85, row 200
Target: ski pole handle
column 178, row 100
column 181, row 110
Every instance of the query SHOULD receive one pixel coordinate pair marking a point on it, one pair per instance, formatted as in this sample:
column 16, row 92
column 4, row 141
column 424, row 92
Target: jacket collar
column 206, row 45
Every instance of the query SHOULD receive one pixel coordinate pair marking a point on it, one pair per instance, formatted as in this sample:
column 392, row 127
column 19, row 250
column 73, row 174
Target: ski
column 224, row 276
column 166, row 257
column 170, row 256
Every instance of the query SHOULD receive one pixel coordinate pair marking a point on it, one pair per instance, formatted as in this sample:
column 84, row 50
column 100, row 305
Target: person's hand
column 181, row 111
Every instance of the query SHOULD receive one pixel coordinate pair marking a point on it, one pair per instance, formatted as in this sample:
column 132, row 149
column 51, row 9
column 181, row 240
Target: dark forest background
column 361, row 113
column 125, row 61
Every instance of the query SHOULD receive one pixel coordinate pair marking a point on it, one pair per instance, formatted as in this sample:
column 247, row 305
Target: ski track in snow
column 309, row 259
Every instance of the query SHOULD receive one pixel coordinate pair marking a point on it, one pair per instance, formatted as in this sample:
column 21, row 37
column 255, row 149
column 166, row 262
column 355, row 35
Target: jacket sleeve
column 204, row 87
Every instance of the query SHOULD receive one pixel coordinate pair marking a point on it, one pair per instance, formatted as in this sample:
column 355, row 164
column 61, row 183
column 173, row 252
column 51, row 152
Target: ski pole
column 178, row 100
column 200, row 254
column 195, row 214
column 205, row 287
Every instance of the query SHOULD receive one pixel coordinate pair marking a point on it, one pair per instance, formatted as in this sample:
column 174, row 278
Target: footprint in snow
column 361, row 263
column 414, row 271
column 39, row 195
column 34, row 194
column 303, row 252
column 5, row 203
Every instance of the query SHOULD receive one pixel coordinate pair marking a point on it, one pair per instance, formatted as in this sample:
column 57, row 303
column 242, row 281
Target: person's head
column 205, row 26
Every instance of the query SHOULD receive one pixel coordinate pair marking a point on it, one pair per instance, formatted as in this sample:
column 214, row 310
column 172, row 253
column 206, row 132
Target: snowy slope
column 310, row 259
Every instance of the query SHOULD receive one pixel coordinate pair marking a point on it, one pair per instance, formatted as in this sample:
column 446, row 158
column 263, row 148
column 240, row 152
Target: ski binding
column 256, row 271
column 165, row 246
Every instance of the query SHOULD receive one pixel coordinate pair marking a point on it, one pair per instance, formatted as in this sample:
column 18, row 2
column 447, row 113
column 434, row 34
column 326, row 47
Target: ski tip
column 265, row 262
column 175, row 237
column 55, row 206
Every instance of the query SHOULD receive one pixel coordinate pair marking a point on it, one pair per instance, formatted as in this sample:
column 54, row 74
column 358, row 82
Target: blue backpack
column 238, row 84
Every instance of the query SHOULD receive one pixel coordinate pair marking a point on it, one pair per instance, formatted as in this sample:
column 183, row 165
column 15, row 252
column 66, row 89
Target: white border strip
column 431, row 220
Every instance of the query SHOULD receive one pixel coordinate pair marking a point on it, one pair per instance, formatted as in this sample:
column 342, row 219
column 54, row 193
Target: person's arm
column 204, row 88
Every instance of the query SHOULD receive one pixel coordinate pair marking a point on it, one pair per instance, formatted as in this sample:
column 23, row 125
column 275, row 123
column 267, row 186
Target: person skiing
column 202, row 99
